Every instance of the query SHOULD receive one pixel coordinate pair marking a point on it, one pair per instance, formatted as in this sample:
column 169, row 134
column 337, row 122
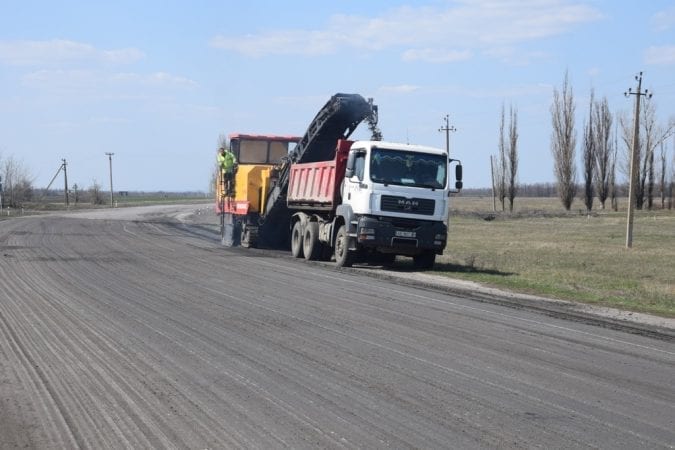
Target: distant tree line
column 541, row 190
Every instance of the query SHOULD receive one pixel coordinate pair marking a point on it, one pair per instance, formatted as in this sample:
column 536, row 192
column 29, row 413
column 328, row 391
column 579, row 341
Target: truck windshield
column 408, row 168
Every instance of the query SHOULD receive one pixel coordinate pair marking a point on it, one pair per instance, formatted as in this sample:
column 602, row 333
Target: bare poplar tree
column 589, row 156
column 651, row 130
column 512, row 156
column 563, row 143
column 17, row 182
column 663, row 176
column 651, row 136
column 671, row 186
column 76, row 193
column 602, row 120
column 95, row 196
column 501, row 163
column 612, row 174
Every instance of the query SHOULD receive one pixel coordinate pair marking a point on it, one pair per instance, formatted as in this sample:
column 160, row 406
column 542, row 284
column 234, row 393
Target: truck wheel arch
column 343, row 216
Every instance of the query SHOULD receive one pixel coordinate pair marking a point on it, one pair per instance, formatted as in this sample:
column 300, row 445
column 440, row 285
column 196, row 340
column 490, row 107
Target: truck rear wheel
column 425, row 260
column 343, row 257
column 296, row 240
column 310, row 242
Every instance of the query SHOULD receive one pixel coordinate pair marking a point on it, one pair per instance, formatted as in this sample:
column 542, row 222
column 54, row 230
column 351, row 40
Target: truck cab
column 395, row 200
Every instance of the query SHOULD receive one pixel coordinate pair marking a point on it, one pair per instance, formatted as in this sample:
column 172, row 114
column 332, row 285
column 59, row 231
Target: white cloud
column 61, row 51
column 514, row 56
column 423, row 33
column 664, row 20
column 309, row 43
column 153, row 79
column 121, row 56
column 663, row 55
column 59, row 81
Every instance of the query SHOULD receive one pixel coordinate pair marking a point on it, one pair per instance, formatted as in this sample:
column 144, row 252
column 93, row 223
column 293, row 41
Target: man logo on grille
column 408, row 205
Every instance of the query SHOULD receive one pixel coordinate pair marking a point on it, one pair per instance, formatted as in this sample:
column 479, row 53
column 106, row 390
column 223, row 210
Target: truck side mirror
column 458, row 177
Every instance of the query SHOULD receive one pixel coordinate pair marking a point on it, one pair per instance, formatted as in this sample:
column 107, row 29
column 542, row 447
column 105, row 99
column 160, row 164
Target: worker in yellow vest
column 227, row 163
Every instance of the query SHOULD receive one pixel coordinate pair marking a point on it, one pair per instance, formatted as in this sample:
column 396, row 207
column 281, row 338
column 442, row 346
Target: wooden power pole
column 65, row 182
column 110, row 155
column 634, row 159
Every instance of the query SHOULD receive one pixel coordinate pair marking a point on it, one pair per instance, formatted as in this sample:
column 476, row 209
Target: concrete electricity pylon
column 110, row 155
column 65, row 182
column 447, row 128
column 634, row 158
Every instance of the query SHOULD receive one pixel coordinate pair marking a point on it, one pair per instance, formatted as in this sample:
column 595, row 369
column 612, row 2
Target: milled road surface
column 133, row 328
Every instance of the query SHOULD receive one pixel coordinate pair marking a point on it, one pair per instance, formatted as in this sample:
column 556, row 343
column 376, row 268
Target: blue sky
column 157, row 82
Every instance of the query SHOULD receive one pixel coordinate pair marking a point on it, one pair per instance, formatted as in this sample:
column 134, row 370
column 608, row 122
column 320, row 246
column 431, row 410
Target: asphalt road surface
column 136, row 328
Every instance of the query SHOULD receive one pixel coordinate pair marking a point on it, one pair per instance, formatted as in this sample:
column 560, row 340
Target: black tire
column 425, row 260
column 296, row 240
column 310, row 242
column 343, row 257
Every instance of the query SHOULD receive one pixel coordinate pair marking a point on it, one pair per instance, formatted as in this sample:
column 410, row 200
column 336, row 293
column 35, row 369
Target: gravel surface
column 135, row 328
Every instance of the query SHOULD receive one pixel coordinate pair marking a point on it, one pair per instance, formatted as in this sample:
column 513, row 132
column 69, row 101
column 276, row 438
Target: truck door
column 356, row 186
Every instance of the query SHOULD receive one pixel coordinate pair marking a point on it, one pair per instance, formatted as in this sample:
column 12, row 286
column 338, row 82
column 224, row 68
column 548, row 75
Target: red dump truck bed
column 316, row 185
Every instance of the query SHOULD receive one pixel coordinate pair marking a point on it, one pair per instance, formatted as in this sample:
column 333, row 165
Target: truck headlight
column 367, row 234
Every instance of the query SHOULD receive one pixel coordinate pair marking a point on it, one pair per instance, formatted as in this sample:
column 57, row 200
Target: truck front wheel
column 296, row 240
column 343, row 257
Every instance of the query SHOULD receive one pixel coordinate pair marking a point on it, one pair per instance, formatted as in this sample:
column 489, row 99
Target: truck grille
column 393, row 203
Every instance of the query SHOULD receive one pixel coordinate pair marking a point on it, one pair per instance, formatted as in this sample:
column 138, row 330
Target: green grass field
column 541, row 249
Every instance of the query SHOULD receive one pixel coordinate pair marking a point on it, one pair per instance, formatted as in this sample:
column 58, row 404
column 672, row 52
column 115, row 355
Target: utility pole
column 65, row 182
column 0, row 193
column 447, row 128
column 634, row 158
column 492, row 174
column 110, row 155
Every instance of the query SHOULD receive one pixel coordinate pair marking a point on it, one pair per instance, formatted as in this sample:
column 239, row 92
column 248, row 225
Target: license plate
column 408, row 234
